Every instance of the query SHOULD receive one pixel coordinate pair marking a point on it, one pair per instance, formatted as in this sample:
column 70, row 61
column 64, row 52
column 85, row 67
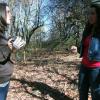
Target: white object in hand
column 19, row 43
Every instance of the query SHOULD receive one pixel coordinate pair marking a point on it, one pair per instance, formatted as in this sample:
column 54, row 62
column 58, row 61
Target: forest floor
column 48, row 76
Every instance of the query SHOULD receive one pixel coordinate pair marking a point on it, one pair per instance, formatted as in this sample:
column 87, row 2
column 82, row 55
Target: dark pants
column 89, row 78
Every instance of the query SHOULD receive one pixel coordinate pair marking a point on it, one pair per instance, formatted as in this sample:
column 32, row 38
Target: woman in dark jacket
column 89, row 75
column 7, row 46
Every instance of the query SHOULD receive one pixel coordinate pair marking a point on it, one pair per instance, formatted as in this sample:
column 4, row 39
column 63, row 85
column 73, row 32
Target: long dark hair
column 89, row 28
column 3, row 24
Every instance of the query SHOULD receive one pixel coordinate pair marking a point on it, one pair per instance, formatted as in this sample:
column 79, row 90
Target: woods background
column 47, row 25
column 45, row 68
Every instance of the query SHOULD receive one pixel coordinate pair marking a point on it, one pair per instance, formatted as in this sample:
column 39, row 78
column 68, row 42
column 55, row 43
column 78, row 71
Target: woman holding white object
column 6, row 48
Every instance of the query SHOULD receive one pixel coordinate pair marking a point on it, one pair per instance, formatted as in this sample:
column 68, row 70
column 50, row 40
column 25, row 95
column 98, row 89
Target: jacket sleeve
column 80, row 49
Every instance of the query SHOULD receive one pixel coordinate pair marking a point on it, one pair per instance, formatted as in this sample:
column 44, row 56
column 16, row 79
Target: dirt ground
column 46, row 77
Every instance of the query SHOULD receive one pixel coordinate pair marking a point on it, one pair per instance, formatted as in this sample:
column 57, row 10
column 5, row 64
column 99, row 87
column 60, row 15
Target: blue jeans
column 3, row 92
column 89, row 78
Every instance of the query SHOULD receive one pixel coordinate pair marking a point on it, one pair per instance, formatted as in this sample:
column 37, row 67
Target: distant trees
column 66, row 18
column 50, row 24
column 28, row 17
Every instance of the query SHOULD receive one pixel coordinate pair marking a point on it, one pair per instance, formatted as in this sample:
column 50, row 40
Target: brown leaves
column 57, row 74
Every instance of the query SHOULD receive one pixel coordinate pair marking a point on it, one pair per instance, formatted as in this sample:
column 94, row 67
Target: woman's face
column 8, row 15
column 92, row 16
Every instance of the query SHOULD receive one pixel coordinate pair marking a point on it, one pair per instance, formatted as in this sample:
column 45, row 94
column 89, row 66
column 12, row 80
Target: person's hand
column 10, row 44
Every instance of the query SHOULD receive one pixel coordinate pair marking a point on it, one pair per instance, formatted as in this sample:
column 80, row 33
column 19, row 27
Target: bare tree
column 27, row 17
